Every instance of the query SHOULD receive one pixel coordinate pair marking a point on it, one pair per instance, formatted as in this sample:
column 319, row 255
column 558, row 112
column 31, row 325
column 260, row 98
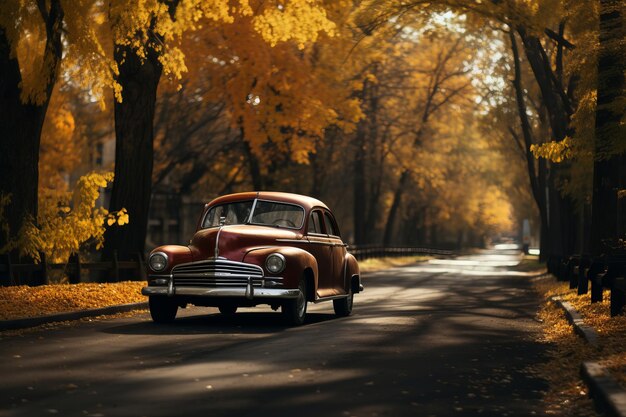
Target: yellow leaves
column 67, row 220
column 22, row 301
column 553, row 151
column 294, row 20
column 122, row 217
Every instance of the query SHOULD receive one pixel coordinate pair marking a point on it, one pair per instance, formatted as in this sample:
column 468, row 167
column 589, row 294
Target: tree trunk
column 553, row 98
column 536, row 177
column 606, row 172
column 22, row 123
column 134, row 136
column 253, row 165
column 395, row 206
column 557, row 104
column 360, row 197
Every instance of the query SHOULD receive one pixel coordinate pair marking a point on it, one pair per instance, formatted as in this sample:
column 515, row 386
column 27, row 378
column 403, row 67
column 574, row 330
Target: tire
column 228, row 309
column 294, row 310
column 162, row 309
column 343, row 306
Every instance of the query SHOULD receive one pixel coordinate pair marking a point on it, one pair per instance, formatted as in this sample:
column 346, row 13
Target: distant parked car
column 256, row 248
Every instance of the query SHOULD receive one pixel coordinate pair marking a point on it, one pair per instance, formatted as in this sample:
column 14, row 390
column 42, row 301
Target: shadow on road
column 240, row 323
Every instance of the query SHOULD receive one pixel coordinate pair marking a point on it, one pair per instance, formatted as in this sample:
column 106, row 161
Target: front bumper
column 248, row 292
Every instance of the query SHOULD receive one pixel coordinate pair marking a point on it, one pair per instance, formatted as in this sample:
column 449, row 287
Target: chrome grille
column 217, row 273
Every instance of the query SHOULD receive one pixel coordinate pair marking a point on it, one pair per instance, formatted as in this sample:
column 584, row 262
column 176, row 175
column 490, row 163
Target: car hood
column 237, row 240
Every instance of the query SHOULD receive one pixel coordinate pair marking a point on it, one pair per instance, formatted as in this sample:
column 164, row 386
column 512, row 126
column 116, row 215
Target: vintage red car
column 256, row 248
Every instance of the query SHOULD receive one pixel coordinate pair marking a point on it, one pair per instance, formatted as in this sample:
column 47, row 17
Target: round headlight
column 275, row 263
column 158, row 261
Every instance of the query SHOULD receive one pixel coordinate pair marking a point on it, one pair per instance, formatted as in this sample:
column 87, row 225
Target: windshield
column 230, row 213
column 267, row 213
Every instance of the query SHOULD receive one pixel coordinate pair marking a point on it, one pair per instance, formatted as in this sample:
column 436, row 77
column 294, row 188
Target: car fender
column 297, row 261
column 176, row 254
column 352, row 274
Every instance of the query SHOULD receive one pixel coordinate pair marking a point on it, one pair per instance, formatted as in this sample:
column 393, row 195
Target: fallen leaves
column 568, row 394
column 23, row 301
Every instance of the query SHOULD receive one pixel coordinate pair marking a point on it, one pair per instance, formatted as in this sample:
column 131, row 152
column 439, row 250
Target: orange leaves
column 22, row 301
column 279, row 89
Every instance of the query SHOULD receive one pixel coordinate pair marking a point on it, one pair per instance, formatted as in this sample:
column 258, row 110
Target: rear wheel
column 162, row 309
column 294, row 310
column 228, row 309
column 343, row 306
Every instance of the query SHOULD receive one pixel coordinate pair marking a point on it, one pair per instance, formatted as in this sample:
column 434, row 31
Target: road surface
column 443, row 338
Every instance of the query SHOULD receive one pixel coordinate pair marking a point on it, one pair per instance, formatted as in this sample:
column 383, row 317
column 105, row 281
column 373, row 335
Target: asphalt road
column 444, row 338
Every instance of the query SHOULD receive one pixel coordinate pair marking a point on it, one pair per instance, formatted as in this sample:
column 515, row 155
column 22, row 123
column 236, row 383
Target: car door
column 320, row 247
column 338, row 250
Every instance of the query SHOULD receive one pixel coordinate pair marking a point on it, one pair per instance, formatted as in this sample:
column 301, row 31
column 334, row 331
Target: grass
column 377, row 264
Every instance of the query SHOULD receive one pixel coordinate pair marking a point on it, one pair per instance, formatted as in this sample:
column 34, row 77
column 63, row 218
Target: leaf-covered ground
column 23, row 301
column 568, row 395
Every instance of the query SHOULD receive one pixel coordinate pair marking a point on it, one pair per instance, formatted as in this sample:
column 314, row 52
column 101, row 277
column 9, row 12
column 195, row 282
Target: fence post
column 6, row 279
column 115, row 270
column 141, row 267
column 74, row 275
column 41, row 277
column 618, row 296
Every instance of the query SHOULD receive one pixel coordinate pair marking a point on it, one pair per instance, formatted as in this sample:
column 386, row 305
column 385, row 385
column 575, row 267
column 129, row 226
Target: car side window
column 315, row 222
column 331, row 229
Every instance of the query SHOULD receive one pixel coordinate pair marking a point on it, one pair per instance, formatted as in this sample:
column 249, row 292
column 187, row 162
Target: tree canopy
column 426, row 122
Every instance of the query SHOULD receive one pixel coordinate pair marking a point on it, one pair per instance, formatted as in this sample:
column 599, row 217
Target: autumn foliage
column 419, row 123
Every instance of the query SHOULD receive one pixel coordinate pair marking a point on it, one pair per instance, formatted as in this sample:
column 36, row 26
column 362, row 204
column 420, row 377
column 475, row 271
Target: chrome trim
column 280, row 255
column 249, row 289
column 167, row 261
column 225, row 292
column 321, row 243
column 253, row 207
column 292, row 240
column 332, row 297
column 171, row 291
column 217, row 242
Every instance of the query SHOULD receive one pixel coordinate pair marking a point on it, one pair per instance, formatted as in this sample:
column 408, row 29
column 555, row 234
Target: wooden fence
column 363, row 252
column 601, row 272
column 75, row 270
column 79, row 271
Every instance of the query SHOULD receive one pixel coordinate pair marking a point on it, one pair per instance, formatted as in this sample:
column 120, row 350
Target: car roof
column 305, row 201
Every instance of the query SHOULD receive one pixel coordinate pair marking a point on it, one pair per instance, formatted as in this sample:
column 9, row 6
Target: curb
column 586, row 332
column 607, row 394
column 74, row 315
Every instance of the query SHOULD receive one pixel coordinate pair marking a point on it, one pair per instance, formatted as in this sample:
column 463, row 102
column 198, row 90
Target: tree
column 147, row 44
column 609, row 174
column 26, row 84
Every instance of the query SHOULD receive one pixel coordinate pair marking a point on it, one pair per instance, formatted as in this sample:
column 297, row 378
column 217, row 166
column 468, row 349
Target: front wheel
column 228, row 309
column 343, row 306
column 294, row 310
column 162, row 309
